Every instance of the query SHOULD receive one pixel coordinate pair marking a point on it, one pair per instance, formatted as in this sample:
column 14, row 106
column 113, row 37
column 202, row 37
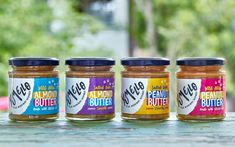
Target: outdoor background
column 117, row 29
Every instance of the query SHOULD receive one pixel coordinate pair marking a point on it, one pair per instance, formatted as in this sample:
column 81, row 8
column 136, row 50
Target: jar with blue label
column 33, row 89
column 90, row 88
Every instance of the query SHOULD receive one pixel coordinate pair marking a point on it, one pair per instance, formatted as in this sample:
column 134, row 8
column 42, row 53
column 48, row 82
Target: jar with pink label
column 201, row 90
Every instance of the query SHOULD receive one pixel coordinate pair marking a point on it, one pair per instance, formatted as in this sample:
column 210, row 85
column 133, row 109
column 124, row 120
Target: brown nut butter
column 33, row 89
column 90, row 87
column 201, row 91
column 145, row 89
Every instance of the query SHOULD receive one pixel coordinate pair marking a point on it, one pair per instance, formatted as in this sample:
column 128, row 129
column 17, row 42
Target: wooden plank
column 118, row 133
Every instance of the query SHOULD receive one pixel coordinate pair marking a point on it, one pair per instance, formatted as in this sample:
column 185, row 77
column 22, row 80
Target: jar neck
column 90, row 68
column 201, row 68
column 145, row 68
column 33, row 68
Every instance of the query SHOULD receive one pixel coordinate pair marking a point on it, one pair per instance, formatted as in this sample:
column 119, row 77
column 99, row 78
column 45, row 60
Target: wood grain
column 118, row 133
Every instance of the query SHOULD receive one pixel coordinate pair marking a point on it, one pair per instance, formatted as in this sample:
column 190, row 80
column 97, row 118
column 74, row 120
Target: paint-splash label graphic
column 145, row 95
column 201, row 96
column 33, row 96
column 86, row 96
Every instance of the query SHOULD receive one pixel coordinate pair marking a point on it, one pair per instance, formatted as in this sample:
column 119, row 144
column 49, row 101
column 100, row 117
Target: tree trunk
column 151, row 29
column 131, row 27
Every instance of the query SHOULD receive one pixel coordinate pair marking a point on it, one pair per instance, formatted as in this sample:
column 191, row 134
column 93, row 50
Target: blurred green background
column 118, row 28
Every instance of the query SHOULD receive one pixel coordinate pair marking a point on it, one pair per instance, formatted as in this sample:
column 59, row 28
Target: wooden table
column 118, row 133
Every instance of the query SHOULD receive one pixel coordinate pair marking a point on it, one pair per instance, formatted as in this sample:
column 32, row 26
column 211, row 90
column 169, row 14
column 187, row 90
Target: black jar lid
column 23, row 61
column 98, row 61
column 135, row 61
column 200, row 61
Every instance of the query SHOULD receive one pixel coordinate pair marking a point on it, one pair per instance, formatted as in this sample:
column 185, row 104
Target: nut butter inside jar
column 90, row 89
column 33, row 89
column 201, row 93
column 145, row 89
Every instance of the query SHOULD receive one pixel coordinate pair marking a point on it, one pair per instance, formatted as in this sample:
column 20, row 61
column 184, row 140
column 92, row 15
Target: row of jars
column 90, row 89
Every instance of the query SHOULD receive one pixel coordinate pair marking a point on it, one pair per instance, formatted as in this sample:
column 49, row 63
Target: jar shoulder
column 87, row 74
column 200, row 74
column 149, row 74
column 32, row 74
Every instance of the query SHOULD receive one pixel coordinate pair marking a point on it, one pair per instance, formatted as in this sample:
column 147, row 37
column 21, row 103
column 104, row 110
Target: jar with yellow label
column 201, row 93
column 33, row 89
column 90, row 89
column 145, row 88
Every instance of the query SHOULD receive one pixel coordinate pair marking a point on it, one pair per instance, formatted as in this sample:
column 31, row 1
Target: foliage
column 192, row 28
column 39, row 28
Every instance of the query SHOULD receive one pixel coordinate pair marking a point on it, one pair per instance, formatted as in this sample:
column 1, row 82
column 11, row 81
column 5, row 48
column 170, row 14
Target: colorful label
column 201, row 96
column 145, row 95
column 33, row 96
column 87, row 96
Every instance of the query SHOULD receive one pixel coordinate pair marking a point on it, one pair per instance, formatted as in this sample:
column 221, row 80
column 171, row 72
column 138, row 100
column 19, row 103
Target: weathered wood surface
column 118, row 133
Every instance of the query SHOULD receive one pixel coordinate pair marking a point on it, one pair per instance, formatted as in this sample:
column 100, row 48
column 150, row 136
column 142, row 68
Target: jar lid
column 98, row 61
column 23, row 61
column 134, row 61
column 200, row 61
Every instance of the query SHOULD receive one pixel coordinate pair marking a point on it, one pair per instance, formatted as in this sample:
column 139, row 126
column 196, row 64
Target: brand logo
column 20, row 94
column 134, row 91
column 187, row 92
column 75, row 92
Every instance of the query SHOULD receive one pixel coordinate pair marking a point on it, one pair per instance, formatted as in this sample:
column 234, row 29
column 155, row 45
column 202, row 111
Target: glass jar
column 145, row 89
column 90, row 88
column 201, row 92
column 33, row 89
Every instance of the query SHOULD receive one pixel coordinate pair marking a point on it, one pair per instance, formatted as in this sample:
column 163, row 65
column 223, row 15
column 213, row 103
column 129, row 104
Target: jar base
column 158, row 117
column 76, row 117
column 50, row 117
column 197, row 118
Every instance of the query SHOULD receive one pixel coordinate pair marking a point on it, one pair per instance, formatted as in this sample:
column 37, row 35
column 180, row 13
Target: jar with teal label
column 33, row 89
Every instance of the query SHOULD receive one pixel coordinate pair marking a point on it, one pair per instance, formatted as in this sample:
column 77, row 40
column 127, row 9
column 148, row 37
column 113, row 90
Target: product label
column 145, row 95
column 33, row 96
column 201, row 96
column 87, row 96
